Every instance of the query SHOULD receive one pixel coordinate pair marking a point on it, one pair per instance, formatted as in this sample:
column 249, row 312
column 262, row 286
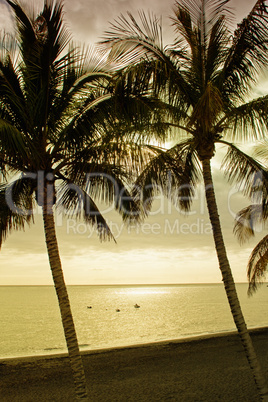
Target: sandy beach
column 210, row 368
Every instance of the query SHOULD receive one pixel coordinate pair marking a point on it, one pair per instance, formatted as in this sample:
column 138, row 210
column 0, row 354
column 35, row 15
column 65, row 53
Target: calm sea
column 31, row 324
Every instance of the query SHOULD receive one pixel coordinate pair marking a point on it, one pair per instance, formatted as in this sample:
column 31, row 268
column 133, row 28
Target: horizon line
column 130, row 284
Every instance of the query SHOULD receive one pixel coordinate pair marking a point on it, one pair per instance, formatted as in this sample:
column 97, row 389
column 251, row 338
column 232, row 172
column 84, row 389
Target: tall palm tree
column 203, row 83
column 57, row 147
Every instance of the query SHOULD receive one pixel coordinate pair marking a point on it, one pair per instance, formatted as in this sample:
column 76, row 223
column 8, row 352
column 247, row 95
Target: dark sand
column 202, row 369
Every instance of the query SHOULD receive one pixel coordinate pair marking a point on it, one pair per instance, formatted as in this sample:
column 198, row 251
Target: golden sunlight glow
column 142, row 291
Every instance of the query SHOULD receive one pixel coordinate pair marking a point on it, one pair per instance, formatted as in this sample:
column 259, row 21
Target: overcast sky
column 170, row 247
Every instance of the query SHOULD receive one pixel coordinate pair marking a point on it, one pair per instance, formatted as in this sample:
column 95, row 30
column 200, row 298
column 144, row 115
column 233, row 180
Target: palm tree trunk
column 229, row 284
column 64, row 304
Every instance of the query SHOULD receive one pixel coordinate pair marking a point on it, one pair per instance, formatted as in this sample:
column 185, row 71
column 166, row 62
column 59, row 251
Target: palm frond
column 73, row 88
column 207, row 109
column 257, row 265
column 261, row 151
column 74, row 201
column 16, row 206
column 174, row 173
column 47, row 29
column 124, row 114
column 24, row 25
column 247, row 219
column 131, row 43
column 112, row 188
column 90, row 80
column 216, row 49
column 142, row 55
column 126, row 34
column 201, row 28
column 107, row 182
column 42, row 40
column 206, row 12
column 13, row 106
column 14, row 147
column 247, row 53
column 242, row 169
column 57, row 36
column 249, row 121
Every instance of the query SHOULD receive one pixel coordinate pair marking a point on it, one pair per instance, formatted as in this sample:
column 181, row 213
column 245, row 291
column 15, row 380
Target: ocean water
column 31, row 323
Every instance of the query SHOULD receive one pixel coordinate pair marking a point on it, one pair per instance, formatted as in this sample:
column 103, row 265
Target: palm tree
column 203, row 84
column 57, row 147
column 255, row 214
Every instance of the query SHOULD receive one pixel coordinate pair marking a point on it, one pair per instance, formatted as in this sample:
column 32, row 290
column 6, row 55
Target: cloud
column 89, row 19
column 6, row 20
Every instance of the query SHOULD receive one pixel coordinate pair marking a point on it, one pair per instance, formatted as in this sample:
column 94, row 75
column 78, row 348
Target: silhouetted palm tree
column 56, row 143
column 203, row 83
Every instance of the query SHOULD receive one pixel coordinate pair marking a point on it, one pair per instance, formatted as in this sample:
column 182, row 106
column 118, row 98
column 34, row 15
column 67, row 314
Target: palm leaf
column 207, row 109
column 247, row 219
column 105, row 180
column 201, row 26
column 204, row 12
column 76, row 202
column 174, row 173
column 248, row 173
column 261, row 151
column 14, row 147
column 16, row 208
column 247, row 53
column 24, row 25
column 249, row 121
column 13, row 101
column 216, row 49
column 257, row 265
column 134, row 44
column 127, row 34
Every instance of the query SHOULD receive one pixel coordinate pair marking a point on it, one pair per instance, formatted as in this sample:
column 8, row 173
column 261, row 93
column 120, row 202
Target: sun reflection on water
column 143, row 291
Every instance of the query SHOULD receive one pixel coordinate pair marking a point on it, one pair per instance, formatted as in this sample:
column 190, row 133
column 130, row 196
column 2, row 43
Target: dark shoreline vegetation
column 76, row 131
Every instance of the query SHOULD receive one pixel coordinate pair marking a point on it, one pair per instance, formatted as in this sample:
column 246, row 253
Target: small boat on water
column 136, row 305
